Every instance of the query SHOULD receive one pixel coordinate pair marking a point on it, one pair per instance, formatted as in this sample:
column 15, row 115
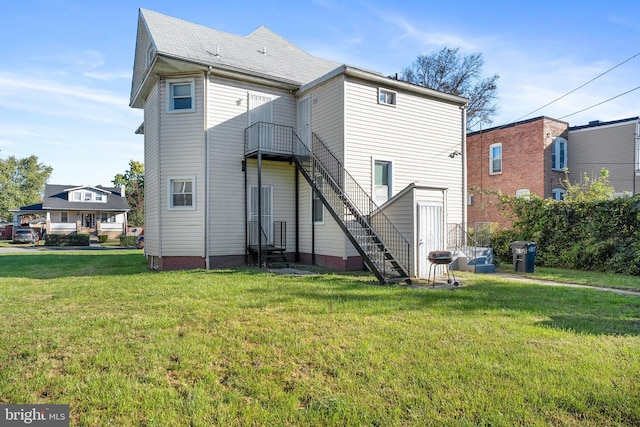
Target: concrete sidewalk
column 512, row 276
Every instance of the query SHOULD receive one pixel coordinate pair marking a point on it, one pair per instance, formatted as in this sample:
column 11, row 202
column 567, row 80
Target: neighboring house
column 255, row 148
column 613, row 145
column 519, row 159
column 69, row 209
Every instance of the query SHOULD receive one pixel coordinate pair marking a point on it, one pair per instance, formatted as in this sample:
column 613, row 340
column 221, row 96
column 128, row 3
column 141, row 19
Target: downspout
column 297, row 184
column 464, row 165
column 207, row 264
column 160, row 84
column 637, row 154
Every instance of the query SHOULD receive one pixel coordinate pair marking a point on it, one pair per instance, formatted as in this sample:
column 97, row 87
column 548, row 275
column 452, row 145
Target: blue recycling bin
column 524, row 256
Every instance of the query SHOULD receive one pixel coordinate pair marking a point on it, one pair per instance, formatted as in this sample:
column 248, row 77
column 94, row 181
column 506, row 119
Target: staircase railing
column 467, row 243
column 377, row 240
column 395, row 243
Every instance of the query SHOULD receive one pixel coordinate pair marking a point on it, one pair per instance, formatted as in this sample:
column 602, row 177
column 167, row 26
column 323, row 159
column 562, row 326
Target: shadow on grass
column 581, row 310
column 53, row 265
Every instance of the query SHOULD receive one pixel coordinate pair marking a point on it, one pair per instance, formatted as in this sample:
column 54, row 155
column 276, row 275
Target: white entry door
column 261, row 110
column 267, row 214
column 430, row 234
column 303, row 121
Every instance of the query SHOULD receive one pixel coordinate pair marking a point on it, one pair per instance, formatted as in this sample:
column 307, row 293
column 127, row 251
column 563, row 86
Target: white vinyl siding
column 181, row 152
column 151, row 174
column 417, row 136
column 227, row 118
column 327, row 121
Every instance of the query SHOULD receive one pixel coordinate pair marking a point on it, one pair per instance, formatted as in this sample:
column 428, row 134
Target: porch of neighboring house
column 382, row 248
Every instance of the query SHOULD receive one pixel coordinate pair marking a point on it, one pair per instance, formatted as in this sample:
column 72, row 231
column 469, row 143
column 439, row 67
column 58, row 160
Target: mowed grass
column 125, row 346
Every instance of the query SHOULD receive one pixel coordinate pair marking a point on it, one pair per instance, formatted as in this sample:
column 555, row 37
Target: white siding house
column 254, row 147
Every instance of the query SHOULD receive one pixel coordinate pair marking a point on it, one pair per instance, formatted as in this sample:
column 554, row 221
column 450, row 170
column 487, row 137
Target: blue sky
column 65, row 75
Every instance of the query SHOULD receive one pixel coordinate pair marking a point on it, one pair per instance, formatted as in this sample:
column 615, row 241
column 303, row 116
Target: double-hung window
column 181, row 95
column 317, row 210
column 181, row 192
column 495, row 159
column 386, row 97
column 559, row 154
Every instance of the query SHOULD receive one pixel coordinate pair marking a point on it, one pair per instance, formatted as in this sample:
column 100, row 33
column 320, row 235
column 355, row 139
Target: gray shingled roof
column 185, row 40
column 55, row 198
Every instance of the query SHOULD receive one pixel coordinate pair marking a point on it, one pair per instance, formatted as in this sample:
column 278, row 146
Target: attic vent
column 594, row 122
column 216, row 53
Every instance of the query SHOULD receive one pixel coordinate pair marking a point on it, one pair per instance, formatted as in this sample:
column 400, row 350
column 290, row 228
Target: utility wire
column 600, row 103
column 580, row 87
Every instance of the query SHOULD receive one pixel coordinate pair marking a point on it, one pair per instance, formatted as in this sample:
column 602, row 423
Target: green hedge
column 596, row 236
column 103, row 238
column 66, row 240
column 128, row 240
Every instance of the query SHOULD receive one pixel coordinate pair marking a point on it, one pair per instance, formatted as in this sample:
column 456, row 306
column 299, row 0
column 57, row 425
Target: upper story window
column 386, row 97
column 559, row 153
column 150, row 53
column 181, row 191
column 88, row 196
column 181, row 95
column 495, row 159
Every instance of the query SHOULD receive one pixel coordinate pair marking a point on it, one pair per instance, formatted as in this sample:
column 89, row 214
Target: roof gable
column 261, row 53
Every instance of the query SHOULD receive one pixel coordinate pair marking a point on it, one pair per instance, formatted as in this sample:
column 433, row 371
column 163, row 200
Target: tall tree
column 447, row 71
column 133, row 181
column 21, row 183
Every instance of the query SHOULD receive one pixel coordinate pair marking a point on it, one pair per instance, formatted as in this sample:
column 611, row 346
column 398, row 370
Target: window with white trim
column 559, row 154
column 317, row 210
column 150, row 53
column 181, row 193
column 387, row 97
column 559, row 193
column 495, row 159
column 181, row 95
column 77, row 196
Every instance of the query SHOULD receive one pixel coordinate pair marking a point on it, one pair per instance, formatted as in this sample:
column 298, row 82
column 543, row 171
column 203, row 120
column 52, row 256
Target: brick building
column 521, row 159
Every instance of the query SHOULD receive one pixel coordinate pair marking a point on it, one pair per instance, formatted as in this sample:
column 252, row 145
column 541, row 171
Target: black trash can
column 524, row 256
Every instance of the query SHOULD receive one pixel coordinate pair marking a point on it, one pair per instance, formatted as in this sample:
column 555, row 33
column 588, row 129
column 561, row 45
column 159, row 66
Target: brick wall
column 526, row 165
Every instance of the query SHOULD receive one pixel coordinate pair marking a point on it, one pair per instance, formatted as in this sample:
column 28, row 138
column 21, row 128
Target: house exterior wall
column 526, row 165
column 227, row 119
column 326, row 240
column 152, row 172
column 612, row 147
column 417, row 136
column 181, row 155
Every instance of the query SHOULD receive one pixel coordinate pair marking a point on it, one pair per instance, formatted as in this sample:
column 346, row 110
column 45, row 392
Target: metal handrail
column 360, row 215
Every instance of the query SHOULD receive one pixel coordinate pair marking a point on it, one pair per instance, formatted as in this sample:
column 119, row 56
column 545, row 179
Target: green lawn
column 125, row 346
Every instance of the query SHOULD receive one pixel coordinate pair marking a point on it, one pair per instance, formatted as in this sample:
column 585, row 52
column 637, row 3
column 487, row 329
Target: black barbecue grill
column 441, row 258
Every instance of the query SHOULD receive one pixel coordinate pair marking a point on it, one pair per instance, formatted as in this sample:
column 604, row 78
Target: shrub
column 128, row 240
column 596, row 235
column 67, row 240
column 103, row 238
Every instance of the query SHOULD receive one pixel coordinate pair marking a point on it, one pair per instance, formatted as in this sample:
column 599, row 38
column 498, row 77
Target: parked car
column 25, row 235
column 140, row 242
